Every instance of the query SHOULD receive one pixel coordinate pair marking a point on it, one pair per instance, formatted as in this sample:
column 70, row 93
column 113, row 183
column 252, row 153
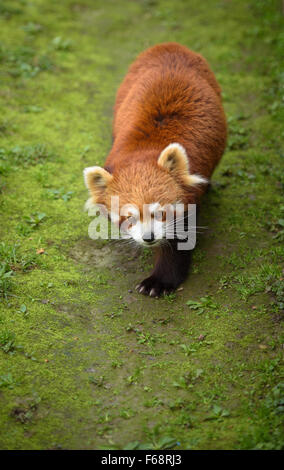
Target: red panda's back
column 171, row 95
column 165, row 55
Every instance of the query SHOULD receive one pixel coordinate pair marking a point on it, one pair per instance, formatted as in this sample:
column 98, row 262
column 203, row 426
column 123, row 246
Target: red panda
column 169, row 133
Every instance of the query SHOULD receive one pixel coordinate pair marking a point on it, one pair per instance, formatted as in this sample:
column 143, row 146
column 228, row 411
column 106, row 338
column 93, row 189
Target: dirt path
column 85, row 362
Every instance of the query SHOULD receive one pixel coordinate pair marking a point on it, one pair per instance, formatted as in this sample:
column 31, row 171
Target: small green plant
column 275, row 401
column 276, row 287
column 145, row 338
column 30, row 154
column 97, row 381
column 59, row 194
column 133, row 379
column 116, row 364
column 127, row 413
column 60, row 44
column 170, row 297
column 35, row 219
column 278, row 229
column 115, row 313
column 10, row 262
column 24, row 61
column 10, row 254
column 159, row 441
column 30, row 223
column 238, row 135
column 156, row 442
column 188, row 349
column 152, row 402
column 23, row 310
column 7, row 341
column 202, row 305
column 32, row 28
column 32, row 109
column 23, row 156
column 218, row 413
column 7, row 381
column 5, row 279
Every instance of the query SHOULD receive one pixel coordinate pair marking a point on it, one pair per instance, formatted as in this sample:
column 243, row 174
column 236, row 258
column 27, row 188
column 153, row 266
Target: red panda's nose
column 148, row 237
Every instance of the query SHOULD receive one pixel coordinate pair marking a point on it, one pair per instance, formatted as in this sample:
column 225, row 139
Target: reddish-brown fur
column 168, row 95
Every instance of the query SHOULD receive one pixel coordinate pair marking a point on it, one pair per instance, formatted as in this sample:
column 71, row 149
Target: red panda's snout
column 147, row 228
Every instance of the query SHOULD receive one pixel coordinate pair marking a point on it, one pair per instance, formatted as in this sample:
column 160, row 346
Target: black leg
column 171, row 269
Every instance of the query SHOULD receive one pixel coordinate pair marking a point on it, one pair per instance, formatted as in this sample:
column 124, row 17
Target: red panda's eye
column 161, row 216
column 131, row 219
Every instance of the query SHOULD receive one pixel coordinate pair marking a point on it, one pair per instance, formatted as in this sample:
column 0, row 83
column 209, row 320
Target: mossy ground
column 85, row 362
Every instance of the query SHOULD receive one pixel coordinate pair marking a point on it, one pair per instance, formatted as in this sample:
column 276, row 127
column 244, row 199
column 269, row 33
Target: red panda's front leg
column 171, row 269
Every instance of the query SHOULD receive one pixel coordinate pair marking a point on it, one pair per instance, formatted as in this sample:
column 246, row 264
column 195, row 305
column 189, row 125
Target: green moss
column 85, row 362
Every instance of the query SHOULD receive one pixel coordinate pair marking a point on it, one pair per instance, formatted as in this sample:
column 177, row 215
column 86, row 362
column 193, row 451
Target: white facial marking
column 153, row 207
column 136, row 232
column 157, row 220
column 89, row 205
column 114, row 217
column 151, row 223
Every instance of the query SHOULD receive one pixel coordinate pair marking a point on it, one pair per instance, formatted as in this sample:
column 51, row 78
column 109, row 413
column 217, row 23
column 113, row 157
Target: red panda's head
column 146, row 189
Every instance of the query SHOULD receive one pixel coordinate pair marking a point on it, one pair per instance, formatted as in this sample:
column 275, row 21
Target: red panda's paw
column 154, row 287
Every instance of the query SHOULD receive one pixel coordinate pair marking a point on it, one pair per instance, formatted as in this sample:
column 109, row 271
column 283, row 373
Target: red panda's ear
column 96, row 180
column 174, row 159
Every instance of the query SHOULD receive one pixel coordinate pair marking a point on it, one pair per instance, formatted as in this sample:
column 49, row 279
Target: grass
column 7, row 341
column 85, row 362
